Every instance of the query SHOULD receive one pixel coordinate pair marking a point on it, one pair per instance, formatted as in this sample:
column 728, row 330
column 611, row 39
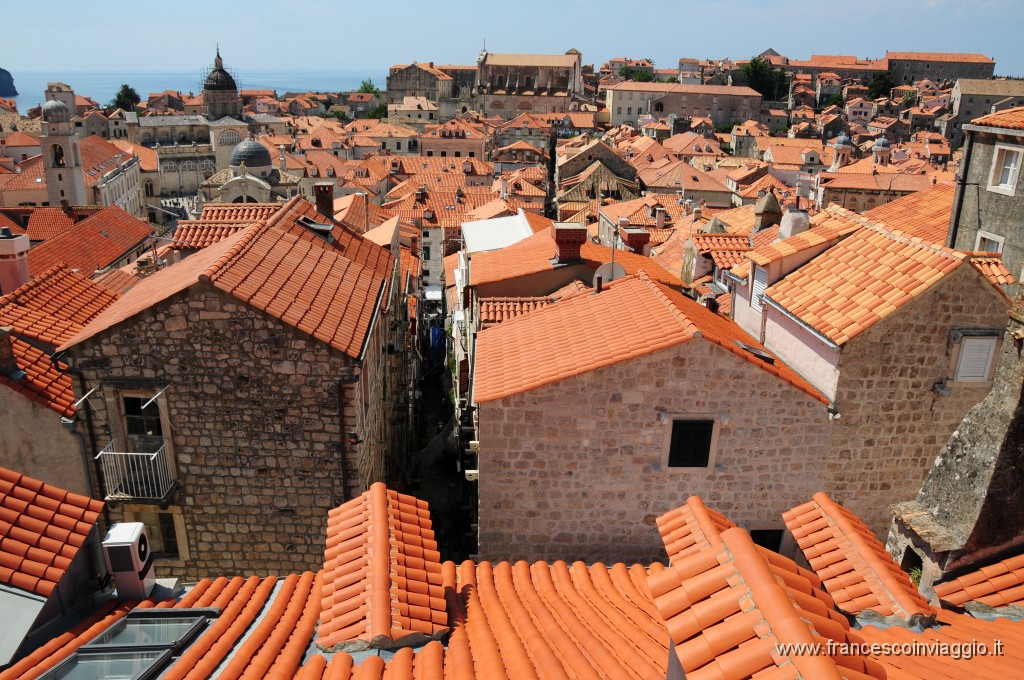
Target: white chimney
column 13, row 261
column 794, row 222
column 504, row 189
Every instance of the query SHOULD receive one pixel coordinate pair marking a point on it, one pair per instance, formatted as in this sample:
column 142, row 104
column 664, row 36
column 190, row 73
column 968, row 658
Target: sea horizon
column 101, row 86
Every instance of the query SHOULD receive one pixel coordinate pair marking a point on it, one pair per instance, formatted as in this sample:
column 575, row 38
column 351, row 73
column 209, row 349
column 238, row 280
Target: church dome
column 843, row 140
column 881, row 143
column 219, row 79
column 252, row 153
column 55, row 111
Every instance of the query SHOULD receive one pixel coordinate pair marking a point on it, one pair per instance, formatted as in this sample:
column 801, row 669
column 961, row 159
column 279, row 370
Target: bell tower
column 62, row 161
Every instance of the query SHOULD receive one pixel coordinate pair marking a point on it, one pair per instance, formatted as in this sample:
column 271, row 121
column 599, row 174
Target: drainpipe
column 90, row 429
column 961, row 187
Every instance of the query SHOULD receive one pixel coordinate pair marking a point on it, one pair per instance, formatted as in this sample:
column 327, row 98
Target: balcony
column 136, row 476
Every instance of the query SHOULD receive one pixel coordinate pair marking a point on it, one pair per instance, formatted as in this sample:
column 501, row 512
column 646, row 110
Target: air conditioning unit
column 130, row 560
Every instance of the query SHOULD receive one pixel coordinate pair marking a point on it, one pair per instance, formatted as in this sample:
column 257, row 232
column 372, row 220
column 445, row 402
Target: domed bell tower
column 220, row 93
column 62, row 161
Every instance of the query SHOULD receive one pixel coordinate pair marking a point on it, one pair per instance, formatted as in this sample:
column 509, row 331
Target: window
column 1005, row 168
column 691, row 443
column 426, row 252
column 139, row 420
column 988, row 242
column 161, row 533
column 975, row 358
column 760, row 284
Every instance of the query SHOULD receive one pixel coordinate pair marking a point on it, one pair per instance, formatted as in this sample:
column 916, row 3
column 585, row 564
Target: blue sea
column 103, row 86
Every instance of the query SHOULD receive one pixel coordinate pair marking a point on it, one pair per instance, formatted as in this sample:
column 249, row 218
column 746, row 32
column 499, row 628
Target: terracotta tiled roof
column 359, row 214
column 246, row 213
column 691, row 528
column 382, row 574
column 959, row 57
column 992, row 267
column 43, row 383
column 638, row 316
column 997, row 585
column 54, row 305
column 92, row 244
column 852, row 564
column 117, row 280
column 148, row 161
column 893, row 182
column 924, row 214
column 706, row 243
column 45, row 223
column 861, row 280
column 19, row 138
column 1010, row 119
column 730, row 607
column 834, row 225
column 496, row 310
column 41, row 529
column 196, row 234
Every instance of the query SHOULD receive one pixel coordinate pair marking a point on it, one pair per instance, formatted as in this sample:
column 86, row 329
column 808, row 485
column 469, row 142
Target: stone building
column 509, row 84
column 248, row 411
column 971, row 98
column 910, row 67
column 426, row 81
column 665, row 396
column 902, row 353
column 988, row 211
column 220, row 93
column 627, row 101
column 251, row 177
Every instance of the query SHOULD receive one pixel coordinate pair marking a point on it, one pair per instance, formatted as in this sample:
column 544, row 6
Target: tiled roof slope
column 382, row 574
column 245, row 213
column 992, row 267
column 117, row 280
column 729, row 607
column 691, row 528
column 997, row 585
column 282, row 269
column 54, row 305
column 638, row 317
column 41, row 529
column 196, row 234
column 43, row 382
column 45, row 223
column 862, row 280
column 833, row 224
column 853, row 565
column 496, row 310
column 924, row 214
column 1011, row 119
column 92, row 244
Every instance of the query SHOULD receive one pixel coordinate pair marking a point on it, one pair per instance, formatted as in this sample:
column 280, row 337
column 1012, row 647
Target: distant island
column 7, row 88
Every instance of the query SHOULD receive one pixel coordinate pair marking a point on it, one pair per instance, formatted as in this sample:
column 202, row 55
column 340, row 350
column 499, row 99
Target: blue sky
column 321, row 35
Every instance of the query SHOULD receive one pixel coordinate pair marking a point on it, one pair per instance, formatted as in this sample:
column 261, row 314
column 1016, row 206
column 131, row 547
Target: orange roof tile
column 245, row 213
column 41, row 529
column 646, row 317
column 196, row 234
column 992, row 267
column 924, row 214
column 19, row 138
column 54, row 305
column 45, row 223
column 1010, row 119
column 960, row 57
column 834, row 224
column 43, row 383
column 382, row 574
column 92, row 244
column 861, row 280
column 853, row 565
column 117, row 280
column 495, row 310
column 997, row 585
column 691, row 528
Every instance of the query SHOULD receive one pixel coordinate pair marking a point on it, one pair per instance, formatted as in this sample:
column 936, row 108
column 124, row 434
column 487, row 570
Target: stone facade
column 577, row 469
column 268, row 428
column 510, row 84
column 909, row 68
column 723, row 104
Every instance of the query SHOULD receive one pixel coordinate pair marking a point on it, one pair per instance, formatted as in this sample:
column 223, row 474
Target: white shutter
column 760, row 284
column 975, row 359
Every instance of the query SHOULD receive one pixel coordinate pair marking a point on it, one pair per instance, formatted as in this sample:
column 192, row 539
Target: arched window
column 659, row 107
column 206, row 165
column 58, row 155
column 170, row 166
column 189, row 166
column 149, row 187
column 525, row 106
column 229, row 137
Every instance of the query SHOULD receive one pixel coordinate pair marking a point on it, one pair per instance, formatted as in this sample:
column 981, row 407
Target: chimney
column 8, row 364
column 282, row 163
column 421, row 193
column 767, row 212
column 794, row 222
column 698, row 211
column 13, row 261
column 504, row 189
column 659, row 217
column 635, row 238
column 569, row 239
column 324, row 193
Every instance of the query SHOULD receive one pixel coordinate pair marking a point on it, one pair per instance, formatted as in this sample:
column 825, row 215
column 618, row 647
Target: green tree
column 759, row 75
column 881, row 85
column 642, row 76
column 378, row 111
column 126, row 98
column 368, row 87
column 672, row 79
column 910, row 98
column 834, row 100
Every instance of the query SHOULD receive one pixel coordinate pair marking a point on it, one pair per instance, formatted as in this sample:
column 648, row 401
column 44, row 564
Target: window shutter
column 760, row 284
column 975, row 359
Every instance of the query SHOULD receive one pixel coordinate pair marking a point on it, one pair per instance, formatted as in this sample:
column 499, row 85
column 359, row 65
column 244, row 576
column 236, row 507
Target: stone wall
column 259, row 416
column 575, row 470
column 893, row 424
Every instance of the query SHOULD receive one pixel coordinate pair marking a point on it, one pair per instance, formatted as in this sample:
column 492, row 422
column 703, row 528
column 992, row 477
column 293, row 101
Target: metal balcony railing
column 135, row 476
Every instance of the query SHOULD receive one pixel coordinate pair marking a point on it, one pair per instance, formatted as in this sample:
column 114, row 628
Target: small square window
column 988, row 242
column 1005, row 169
column 691, row 443
column 140, row 418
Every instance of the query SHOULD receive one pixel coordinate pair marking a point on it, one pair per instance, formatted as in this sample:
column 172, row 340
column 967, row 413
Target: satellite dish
column 609, row 272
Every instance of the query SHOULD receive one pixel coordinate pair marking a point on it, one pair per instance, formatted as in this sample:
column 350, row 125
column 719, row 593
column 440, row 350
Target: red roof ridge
column 690, row 528
column 836, row 543
column 684, row 321
column 214, row 271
